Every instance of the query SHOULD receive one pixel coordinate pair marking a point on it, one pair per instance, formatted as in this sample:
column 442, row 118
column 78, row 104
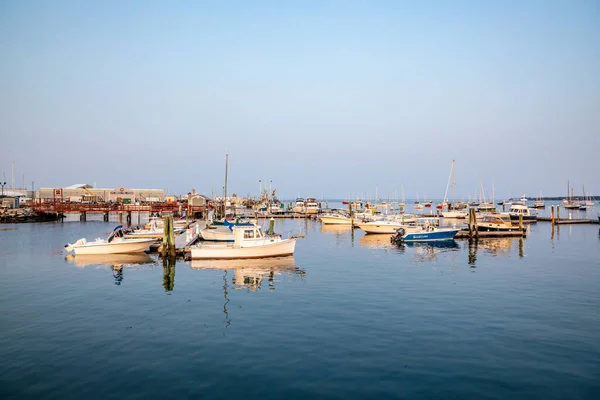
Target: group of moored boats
column 224, row 240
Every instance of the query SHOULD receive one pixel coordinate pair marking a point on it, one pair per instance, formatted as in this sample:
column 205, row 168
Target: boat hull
column 281, row 248
column 433, row 236
column 454, row 214
column 526, row 218
column 335, row 220
column 379, row 228
column 124, row 247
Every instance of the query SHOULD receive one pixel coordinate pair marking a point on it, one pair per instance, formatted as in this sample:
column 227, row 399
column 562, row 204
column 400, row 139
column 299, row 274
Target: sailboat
column 568, row 203
column 584, row 205
column 539, row 203
column 484, row 205
column 451, row 213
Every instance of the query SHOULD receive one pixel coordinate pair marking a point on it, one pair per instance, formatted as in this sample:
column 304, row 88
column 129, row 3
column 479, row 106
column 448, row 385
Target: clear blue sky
column 324, row 98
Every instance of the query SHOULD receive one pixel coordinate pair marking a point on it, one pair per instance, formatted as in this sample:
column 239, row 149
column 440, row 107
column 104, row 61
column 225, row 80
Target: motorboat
column 424, row 233
column 249, row 242
column 312, row 206
column 500, row 222
column 517, row 210
column 336, row 218
column 299, row 206
column 114, row 244
column 385, row 225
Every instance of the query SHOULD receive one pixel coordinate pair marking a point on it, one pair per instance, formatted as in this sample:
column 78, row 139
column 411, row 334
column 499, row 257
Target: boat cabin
column 497, row 220
column 519, row 209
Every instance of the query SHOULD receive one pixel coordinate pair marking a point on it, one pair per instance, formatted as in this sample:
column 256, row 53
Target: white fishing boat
column 249, row 242
column 114, row 244
column 299, row 206
column 312, row 206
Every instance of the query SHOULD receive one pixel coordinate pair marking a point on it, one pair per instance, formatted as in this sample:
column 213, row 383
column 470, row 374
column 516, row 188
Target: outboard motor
column 397, row 238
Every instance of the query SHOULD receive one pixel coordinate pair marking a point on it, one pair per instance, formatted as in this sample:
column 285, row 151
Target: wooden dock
column 488, row 235
column 567, row 221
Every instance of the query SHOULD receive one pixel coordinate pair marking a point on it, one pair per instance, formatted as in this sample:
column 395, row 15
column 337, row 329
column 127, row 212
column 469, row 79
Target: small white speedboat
column 114, row 244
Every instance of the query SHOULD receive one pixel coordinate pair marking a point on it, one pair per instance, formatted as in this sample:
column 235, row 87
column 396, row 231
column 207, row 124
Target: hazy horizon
column 326, row 99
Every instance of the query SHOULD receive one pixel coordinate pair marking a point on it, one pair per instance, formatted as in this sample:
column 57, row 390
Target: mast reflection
column 249, row 274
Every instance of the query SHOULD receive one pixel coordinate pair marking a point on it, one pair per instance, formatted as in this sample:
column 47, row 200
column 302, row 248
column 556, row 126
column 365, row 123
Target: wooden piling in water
column 520, row 222
column 552, row 215
column 351, row 214
column 168, row 242
column 271, row 230
column 557, row 212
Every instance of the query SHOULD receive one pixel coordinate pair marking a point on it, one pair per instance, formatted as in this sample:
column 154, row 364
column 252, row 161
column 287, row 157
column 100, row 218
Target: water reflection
column 249, row 274
column 115, row 261
column 341, row 232
column 168, row 274
column 428, row 251
column 376, row 241
column 493, row 247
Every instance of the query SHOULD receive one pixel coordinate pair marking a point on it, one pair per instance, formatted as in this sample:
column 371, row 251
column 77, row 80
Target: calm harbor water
column 349, row 316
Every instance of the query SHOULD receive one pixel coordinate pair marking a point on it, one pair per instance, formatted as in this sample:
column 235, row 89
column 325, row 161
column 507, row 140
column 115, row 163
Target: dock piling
column 552, row 215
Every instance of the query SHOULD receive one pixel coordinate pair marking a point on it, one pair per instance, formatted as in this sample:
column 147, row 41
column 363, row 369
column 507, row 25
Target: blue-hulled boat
column 424, row 233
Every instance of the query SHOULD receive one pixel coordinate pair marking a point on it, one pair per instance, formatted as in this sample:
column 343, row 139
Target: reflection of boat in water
column 448, row 244
column 376, row 241
column 336, row 229
column 115, row 261
column 249, row 273
column 111, row 260
column 496, row 246
column 428, row 251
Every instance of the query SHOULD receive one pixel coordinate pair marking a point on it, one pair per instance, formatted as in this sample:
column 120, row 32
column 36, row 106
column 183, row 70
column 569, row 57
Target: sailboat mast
column 448, row 184
column 225, row 187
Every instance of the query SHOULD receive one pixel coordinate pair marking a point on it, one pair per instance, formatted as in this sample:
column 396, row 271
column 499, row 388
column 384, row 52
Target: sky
column 326, row 99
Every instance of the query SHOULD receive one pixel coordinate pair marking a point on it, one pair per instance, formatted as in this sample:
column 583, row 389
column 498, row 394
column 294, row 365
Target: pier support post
column 351, row 214
column 168, row 242
column 521, row 223
column 271, row 230
column 552, row 218
column 557, row 213
column 129, row 218
column 82, row 216
column 105, row 217
column 120, row 217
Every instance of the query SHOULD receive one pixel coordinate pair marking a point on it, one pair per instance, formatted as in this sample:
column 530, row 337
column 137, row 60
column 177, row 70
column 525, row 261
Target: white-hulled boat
column 312, row 206
column 114, row 244
column 454, row 214
column 517, row 210
column 385, row 225
column 336, row 218
column 249, row 242
column 299, row 206
column 152, row 232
